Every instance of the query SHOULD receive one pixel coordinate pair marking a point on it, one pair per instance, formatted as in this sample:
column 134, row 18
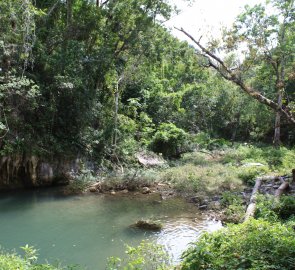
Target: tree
column 18, row 93
column 257, row 38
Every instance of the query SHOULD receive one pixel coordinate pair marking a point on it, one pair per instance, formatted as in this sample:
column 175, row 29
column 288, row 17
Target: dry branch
column 282, row 188
column 219, row 65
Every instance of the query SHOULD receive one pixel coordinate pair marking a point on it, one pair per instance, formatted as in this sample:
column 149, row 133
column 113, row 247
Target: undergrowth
column 13, row 261
column 147, row 255
column 190, row 178
column 229, row 168
column 255, row 244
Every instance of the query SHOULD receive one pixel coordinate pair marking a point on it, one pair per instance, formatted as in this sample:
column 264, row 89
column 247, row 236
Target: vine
column 28, row 29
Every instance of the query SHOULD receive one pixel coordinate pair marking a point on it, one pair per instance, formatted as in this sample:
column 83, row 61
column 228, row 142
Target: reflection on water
column 88, row 229
column 179, row 233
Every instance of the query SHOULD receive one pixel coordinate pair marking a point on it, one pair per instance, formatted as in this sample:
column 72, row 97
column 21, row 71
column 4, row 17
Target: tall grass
column 226, row 169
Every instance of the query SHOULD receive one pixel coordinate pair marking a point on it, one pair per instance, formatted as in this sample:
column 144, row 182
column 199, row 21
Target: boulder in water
column 148, row 225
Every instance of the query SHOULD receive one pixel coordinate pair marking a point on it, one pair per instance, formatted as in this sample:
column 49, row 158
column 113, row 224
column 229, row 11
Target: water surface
column 86, row 230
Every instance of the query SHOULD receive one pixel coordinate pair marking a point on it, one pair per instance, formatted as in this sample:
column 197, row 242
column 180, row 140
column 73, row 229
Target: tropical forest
column 132, row 141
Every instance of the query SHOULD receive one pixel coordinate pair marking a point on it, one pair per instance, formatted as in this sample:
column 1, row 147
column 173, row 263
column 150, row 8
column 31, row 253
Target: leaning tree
column 262, row 35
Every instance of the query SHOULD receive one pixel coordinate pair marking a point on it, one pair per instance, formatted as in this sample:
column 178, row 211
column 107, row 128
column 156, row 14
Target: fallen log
column 252, row 203
column 282, row 188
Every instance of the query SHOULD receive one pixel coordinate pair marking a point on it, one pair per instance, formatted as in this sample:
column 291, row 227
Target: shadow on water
column 23, row 199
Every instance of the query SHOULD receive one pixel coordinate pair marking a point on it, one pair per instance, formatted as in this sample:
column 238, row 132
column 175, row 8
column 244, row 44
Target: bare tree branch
column 52, row 8
column 229, row 75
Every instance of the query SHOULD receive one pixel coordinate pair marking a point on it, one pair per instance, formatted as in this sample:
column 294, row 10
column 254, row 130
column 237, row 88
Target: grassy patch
column 201, row 173
column 130, row 179
column 226, row 169
column 198, row 178
column 280, row 160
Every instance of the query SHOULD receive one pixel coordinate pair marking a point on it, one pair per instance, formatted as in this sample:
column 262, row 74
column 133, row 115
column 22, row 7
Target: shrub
column 229, row 198
column 265, row 208
column 145, row 256
column 287, row 207
column 249, row 174
column 233, row 214
column 204, row 140
column 235, row 209
column 255, row 244
column 169, row 140
column 269, row 209
column 12, row 261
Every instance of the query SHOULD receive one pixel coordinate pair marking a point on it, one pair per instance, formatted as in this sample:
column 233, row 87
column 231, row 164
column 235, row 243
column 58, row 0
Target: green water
column 86, row 230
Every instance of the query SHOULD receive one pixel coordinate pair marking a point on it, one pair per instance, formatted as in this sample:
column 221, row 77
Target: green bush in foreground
column 255, row 244
column 148, row 256
column 13, row 261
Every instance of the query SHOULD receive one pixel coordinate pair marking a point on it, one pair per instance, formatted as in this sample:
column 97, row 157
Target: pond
column 87, row 229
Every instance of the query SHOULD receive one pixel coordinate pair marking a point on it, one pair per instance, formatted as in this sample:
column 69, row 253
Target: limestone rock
column 215, row 205
column 32, row 171
column 253, row 164
column 93, row 189
column 145, row 190
column 150, row 160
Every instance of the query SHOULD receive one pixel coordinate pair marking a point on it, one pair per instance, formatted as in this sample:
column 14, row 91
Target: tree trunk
column 280, row 86
column 69, row 13
column 277, row 135
column 117, row 94
column 116, row 115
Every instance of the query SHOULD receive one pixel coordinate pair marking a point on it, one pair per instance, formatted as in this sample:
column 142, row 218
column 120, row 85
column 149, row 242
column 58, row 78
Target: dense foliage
column 255, row 244
column 104, row 78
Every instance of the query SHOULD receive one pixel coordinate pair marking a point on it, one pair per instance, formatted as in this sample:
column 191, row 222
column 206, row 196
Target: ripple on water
column 87, row 229
column 177, row 235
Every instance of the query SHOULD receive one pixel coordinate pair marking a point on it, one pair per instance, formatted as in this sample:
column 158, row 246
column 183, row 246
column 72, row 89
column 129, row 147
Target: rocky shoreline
column 210, row 205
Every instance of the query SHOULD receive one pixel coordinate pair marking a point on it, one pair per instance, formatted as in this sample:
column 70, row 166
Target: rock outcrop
column 30, row 171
